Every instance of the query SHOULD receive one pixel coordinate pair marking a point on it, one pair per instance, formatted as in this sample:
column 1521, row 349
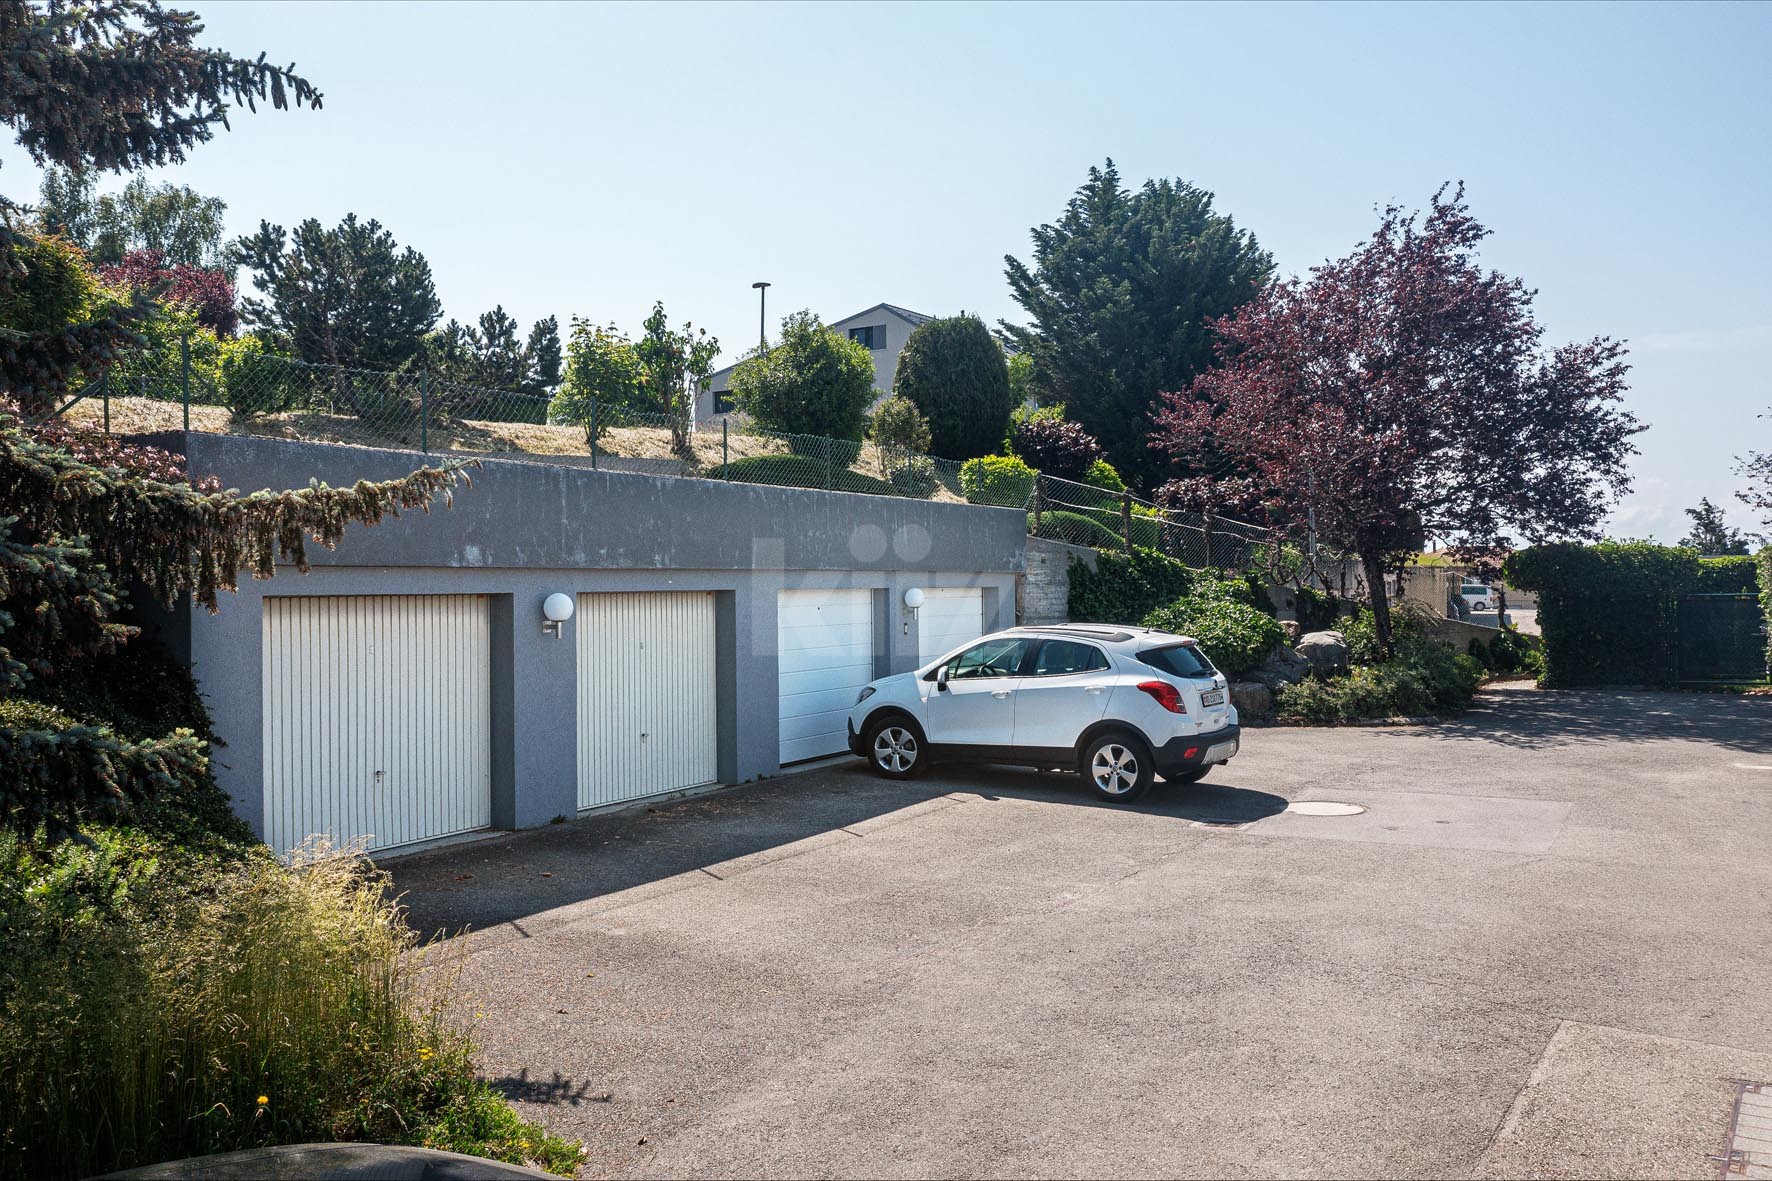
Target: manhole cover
column 1324, row 808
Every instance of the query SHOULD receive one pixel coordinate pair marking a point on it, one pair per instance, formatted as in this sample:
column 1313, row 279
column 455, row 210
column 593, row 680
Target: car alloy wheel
column 1114, row 769
column 895, row 749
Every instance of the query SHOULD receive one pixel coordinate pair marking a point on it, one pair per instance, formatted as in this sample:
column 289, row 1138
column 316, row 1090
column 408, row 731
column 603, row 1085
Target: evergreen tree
column 350, row 295
column 955, row 373
column 1711, row 534
column 1120, row 295
column 109, row 87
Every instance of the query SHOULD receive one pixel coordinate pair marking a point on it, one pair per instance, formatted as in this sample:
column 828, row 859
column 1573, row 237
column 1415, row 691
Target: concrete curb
column 331, row 1162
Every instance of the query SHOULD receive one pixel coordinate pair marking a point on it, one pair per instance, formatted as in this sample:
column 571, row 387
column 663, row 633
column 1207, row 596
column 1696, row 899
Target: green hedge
column 1733, row 575
column 799, row 471
column 1125, row 588
column 1606, row 611
column 1764, row 561
column 1075, row 528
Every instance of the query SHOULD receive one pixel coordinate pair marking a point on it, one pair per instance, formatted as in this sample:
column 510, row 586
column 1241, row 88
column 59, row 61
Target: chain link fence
column 1103, row 518
column 238, row 389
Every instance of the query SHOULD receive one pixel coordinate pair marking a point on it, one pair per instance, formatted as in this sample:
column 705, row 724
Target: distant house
column 883, row 328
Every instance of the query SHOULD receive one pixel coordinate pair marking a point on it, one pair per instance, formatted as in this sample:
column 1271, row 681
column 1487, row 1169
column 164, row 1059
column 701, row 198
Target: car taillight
column 1167, row 695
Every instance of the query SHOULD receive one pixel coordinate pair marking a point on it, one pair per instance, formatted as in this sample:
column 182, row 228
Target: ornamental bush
column 1764, row 561
column 1234, row 634
column 1101, row 474
column 1057, row 448
column 1124, row 587
column 997, row 479
column 953, row 369
column 897, row 423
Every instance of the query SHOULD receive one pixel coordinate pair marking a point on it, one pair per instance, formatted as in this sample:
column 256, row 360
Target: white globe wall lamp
column 556, row 609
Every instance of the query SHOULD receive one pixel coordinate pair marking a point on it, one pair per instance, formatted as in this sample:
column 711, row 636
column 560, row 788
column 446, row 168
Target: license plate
column 1212, row 697
column 1219, row 752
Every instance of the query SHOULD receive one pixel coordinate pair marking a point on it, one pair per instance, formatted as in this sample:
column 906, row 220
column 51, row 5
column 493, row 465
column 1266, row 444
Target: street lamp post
column 762, row 290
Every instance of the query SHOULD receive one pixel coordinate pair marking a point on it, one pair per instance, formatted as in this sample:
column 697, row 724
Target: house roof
column 715, row 379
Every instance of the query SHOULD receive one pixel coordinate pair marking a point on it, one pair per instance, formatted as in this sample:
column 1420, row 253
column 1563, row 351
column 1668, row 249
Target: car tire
column 1117, row 765
column 895, row 747
column 1194, row 776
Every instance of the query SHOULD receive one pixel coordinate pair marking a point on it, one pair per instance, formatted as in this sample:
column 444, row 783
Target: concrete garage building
column 410, row 688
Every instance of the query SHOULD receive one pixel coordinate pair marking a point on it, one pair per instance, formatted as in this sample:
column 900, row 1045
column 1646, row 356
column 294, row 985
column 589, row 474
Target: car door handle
column 1092, row 688
column 999, row 694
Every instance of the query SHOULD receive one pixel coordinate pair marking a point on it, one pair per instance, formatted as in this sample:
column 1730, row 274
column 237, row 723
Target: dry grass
column 506, row 439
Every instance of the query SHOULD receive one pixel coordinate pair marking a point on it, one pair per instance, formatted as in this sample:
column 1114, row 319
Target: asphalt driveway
column 1544, row 948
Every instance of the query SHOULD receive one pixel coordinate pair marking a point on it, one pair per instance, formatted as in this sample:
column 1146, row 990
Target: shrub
column 1234, row 634
column 814, row 382
column 913, row 475
column 1509, row 652
column 1315, row 610
column 254, row 381
column 897, row 423
column 150, row 999
column 1057, row 448
column 1424, row 677
column 839, row 453
column 1122, row 587
column 997, row 479
column 953, row 369
column 1074, row 528
column 799, row 471
column 1101, row 474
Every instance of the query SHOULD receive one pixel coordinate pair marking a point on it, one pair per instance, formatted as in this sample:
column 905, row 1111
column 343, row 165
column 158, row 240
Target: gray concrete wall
column 526, row 529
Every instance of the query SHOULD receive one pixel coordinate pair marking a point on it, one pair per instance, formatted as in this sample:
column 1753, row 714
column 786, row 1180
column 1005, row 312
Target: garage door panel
column 826, row 652
column 948, row 618
column 647, row 714
column 377, row 718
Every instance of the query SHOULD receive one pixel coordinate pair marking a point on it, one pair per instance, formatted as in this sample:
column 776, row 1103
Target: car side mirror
column 941, row 678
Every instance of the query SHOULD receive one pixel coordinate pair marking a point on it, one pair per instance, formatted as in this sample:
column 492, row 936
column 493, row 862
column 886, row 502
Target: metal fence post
column 184, row 375
column 1206, row 529
column 1037, row 478
column 105, row 387
column 424, row 410
column 1126, row 520
column 725, row 459
column 593, row 434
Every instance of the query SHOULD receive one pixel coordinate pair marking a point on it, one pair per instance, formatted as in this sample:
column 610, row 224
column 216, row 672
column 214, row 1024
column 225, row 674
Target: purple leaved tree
column 1404, row 393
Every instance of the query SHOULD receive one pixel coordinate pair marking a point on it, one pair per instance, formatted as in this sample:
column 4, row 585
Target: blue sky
column 588, row 159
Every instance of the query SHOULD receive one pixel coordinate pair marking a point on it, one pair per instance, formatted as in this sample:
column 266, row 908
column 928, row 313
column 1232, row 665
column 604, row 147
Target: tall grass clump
column 157, row 1005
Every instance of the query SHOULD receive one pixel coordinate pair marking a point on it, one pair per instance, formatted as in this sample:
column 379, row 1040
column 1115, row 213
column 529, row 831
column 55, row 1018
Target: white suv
column 1120, row 704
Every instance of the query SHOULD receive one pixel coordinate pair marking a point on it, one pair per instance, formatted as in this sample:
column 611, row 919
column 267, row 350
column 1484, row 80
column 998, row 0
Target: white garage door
column 377, row 718
column 949, row 616
column 646, row 721
column 827, row 655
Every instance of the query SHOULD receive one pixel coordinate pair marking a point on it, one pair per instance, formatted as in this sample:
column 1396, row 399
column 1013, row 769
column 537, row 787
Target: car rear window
column 1178, row 660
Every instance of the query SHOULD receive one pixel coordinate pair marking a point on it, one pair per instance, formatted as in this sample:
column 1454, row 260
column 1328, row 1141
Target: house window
column 722, row 401
column 873, row 336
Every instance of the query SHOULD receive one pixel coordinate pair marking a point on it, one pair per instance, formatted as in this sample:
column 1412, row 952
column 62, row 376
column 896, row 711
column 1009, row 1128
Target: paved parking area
column 1542, row 949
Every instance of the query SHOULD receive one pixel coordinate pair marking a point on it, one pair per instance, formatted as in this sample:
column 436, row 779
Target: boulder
column 1252, row 699
column 1282, row 667
column 1291, row 629
column 1326, row 651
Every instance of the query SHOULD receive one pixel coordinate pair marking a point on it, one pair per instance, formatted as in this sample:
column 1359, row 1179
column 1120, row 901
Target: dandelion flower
column 264, row 1100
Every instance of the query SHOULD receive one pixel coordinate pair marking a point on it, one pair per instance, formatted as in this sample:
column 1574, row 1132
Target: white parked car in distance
column 1120, row 704
column 1477, row 596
